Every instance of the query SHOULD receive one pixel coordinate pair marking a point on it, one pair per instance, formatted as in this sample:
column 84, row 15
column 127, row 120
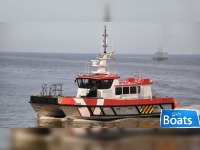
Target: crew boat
column 102, row 96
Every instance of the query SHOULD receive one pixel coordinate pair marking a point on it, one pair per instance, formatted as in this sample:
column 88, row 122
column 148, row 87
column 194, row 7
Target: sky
column 76, row 26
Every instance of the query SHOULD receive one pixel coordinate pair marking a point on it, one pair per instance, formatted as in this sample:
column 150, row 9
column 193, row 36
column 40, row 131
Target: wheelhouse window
column 80, row 83
column 106, row 84
column 89, row 83
column 118, row 91
column 125, row 90
column 133, row 90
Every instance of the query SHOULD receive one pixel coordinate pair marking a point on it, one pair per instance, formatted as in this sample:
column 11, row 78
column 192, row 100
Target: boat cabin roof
column 98, row 76
column 134, row 82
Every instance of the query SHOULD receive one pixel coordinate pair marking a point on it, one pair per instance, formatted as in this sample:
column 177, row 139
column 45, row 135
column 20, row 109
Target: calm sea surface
column 22, row 74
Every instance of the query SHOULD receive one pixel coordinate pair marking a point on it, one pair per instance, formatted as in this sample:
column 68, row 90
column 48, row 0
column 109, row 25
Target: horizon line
column 96, row 53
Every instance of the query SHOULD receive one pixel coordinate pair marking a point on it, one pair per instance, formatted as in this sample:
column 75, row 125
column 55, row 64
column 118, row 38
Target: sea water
column 22, row 74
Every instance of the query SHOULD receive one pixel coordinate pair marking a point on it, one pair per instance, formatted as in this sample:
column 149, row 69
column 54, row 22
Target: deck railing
column 54, row 90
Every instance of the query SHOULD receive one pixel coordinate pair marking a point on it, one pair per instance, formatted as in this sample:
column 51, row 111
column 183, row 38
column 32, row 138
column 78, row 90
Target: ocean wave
column 196, row 107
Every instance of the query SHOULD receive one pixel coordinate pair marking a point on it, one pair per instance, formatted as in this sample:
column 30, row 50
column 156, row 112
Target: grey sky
column 93, row 10
column 137, row 26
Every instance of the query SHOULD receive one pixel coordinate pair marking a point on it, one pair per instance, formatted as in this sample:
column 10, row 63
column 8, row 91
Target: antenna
column 101, row 62
column 85, row 67
column 108, row 68
column 88, row 67
column 105, row 40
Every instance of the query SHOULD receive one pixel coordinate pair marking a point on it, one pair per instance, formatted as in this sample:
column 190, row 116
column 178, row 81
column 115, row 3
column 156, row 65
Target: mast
column 101, row 61
column 105, row 40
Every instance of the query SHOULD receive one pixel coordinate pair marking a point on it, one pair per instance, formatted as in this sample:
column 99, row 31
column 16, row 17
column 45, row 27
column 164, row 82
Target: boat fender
column 175, row 104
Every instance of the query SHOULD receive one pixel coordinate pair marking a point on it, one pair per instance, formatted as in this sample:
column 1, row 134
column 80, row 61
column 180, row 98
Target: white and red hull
column 107, row 109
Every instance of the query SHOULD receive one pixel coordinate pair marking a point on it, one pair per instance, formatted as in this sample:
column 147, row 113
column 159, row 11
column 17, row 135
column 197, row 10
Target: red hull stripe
column 138, row 102
column 67, row 100
column 91, row 101
column 111, row 102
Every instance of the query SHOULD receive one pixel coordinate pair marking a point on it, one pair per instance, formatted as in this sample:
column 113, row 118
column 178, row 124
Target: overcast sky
column 135, row 26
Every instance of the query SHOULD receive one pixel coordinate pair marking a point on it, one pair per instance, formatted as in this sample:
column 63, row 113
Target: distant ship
column 160, row 55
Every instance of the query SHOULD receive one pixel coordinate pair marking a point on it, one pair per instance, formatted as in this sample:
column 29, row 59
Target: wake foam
column 84, row 120
column 51, row 118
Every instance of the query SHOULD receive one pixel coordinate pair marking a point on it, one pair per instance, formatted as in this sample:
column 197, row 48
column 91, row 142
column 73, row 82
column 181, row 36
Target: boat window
column 132, row 90
column 118, row 91
column 83, row 83
column 80, row 83
column 86, row 83
column 138, row 89
column 89, row 83
column 125, row 90
column 106, row 84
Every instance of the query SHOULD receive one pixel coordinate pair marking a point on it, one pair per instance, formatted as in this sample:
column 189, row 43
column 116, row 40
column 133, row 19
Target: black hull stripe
column 146, row 113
